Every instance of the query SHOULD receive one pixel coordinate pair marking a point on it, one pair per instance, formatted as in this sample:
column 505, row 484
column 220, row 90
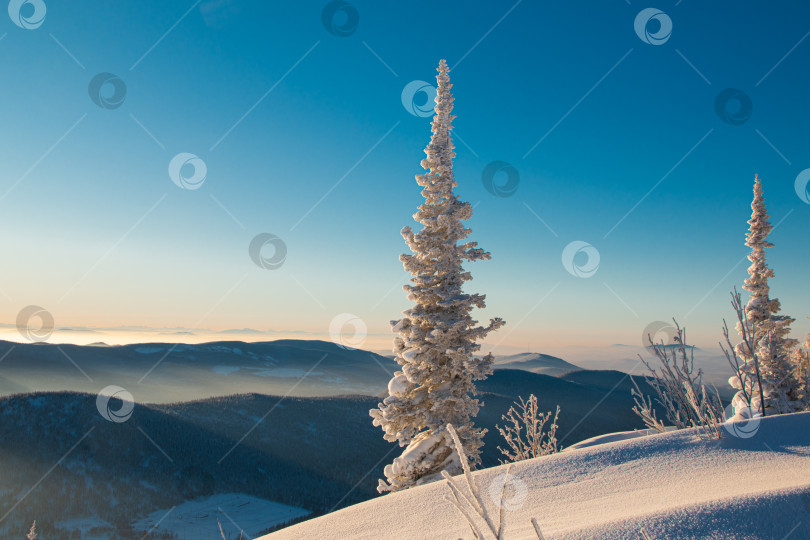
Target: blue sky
column 304, row 135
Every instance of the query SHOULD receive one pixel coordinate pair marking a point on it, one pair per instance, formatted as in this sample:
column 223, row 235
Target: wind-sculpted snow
column 673, row 485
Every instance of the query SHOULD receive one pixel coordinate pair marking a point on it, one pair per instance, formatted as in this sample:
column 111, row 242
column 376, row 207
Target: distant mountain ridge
column 537, row 363
column 170, row 372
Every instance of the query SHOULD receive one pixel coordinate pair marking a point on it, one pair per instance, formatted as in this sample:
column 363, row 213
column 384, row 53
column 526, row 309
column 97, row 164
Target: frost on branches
column 801, row 359
column 437, row 337
column 781, row 388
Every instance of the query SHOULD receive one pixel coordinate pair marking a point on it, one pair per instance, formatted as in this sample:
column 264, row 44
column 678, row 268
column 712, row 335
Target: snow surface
column 235, row 511
column 673, row 485
column 84, row 525
column 613, row 437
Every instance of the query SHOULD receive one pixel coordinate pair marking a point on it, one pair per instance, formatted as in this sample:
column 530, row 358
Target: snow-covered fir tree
column 437, row 337
column 801, row 359
column 781, row 389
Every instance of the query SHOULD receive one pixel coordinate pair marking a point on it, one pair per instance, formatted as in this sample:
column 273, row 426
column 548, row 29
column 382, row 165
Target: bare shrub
column 524, row 432
column 680, row 390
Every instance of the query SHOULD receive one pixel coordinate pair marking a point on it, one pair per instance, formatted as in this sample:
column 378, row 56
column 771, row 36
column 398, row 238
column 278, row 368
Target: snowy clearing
column 235, row 511
column 673, row 485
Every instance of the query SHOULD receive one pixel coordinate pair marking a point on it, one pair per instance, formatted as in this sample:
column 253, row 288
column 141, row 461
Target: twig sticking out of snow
column 537, row 529
column 644, row 534
column 479, row 507
column 456, row 500
column 500, row 504
column 474, row 500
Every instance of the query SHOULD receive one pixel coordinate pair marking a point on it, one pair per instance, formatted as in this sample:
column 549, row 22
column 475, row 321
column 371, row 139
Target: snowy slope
column 673, row 485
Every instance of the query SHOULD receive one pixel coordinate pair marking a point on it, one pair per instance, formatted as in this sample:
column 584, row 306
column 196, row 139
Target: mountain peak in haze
column 544, row 364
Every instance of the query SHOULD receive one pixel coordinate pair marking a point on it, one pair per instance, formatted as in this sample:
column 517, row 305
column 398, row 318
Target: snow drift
column 672, row 484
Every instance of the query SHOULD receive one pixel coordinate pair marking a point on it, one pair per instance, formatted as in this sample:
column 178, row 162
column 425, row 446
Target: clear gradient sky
column 304, row 135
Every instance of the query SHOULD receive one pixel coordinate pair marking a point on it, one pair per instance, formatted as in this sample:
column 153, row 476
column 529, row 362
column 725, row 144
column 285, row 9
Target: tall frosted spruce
column 781, row 388
column 437, row 337
column 801, row 359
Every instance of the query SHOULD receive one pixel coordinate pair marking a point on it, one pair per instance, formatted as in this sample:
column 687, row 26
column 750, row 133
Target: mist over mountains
column 171, row 372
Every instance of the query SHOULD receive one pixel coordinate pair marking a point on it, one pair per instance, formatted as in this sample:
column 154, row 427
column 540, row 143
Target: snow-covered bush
column 680, row 390
column 524, row 432
column 438, row 336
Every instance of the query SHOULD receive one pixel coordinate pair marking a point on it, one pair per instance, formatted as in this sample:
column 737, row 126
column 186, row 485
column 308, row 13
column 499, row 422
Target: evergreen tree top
column 760, row 227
